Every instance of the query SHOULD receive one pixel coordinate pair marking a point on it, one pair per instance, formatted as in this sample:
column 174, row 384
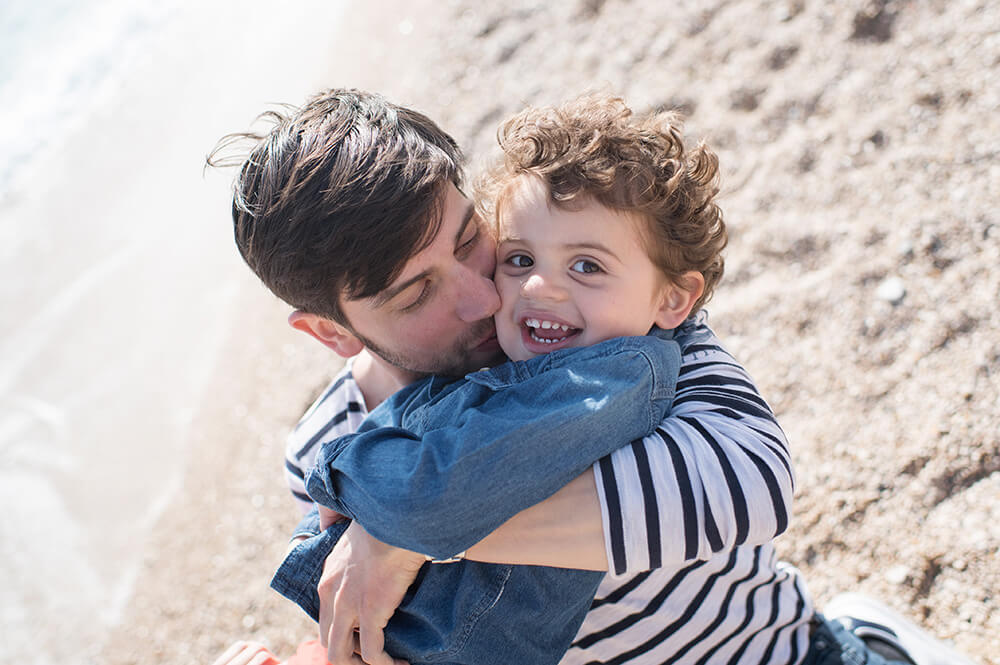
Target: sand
column 859, row 143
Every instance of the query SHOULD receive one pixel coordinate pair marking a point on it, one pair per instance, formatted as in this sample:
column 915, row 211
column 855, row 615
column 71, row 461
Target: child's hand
column 246, row 653
column 328, row 517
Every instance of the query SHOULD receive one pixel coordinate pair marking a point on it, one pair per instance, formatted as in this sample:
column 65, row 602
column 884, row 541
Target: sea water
column 117, row 274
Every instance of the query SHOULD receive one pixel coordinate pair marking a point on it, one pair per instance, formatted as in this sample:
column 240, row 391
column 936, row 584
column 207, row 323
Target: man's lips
column 489, row 343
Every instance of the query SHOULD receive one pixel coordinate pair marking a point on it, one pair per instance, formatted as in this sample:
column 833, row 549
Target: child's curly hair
column 594, row 146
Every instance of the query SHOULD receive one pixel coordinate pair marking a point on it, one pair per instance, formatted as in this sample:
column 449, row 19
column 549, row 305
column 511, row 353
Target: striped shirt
column 694, row 575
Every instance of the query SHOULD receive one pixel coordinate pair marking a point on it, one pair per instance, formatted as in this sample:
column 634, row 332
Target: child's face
column 571, row 278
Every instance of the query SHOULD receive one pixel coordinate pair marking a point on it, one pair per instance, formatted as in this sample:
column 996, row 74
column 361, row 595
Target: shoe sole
column 918, row 643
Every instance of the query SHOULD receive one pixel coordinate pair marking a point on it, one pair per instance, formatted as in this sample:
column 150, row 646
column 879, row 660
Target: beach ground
column 860, row 144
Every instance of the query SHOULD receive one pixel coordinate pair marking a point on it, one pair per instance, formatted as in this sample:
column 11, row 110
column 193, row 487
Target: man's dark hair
column 338, row 195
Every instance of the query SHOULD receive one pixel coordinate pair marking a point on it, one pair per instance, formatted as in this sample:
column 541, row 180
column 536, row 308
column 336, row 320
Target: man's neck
column 377, row 379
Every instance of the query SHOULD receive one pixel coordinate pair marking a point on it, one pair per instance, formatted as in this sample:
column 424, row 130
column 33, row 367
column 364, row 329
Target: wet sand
column 859, row 144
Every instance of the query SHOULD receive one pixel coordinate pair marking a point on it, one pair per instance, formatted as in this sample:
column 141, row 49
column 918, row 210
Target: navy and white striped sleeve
column 714, row 475
column 339, row 410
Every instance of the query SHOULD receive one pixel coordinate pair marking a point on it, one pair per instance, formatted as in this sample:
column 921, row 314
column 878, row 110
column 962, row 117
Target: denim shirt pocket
column 491, row 614
column 439, row 615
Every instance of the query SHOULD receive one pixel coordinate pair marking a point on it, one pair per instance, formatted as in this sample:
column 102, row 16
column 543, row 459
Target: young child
column 607, row 227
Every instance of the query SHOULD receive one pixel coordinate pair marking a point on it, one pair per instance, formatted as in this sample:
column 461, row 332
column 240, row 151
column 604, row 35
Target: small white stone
column 892, row 290
column 897, row 574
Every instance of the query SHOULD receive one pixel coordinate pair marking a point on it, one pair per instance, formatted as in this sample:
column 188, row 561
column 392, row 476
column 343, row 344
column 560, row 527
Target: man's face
column 436, row 317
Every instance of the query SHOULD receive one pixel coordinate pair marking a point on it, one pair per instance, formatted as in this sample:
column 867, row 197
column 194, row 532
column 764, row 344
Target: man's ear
column 329, row 333
column 678, row 299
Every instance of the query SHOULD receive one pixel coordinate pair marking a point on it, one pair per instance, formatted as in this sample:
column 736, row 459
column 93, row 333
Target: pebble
column 897, row 574
column 891, row 290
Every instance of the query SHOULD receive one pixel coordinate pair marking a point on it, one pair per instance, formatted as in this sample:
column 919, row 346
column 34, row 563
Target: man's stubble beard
column 457, row 361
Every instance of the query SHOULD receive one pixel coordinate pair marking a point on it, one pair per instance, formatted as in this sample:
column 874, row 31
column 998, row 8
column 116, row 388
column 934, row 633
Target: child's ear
column 678, row 299
column 329, row 333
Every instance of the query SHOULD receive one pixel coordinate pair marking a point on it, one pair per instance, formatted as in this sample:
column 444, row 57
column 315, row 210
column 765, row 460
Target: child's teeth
column 546, row 325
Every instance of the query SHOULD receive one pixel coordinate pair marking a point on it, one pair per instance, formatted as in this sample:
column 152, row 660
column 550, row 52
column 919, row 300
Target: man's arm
column 715, row 475
column 565, row 530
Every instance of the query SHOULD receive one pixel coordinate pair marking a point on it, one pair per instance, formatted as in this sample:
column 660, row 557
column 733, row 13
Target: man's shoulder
column 338, row 393
column 704, row 359
column 338, row 410
column 712, row 383
column 698, row 342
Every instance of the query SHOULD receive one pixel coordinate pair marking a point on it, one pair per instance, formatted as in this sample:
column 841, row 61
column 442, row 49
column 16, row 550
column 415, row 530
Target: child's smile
column 571, row 277
column 543, row 335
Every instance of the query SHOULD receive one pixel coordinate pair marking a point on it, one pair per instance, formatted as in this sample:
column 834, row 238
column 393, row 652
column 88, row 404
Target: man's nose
column 477, row 297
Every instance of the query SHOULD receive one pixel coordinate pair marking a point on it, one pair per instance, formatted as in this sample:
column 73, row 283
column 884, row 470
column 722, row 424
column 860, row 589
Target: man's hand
column 328, row 517
column 363, row 583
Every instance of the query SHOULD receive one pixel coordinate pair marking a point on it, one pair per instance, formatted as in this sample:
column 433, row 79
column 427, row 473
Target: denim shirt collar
column 519, row 370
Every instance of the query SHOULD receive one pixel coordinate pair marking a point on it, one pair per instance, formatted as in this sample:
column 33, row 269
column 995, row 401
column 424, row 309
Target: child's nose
column 541, row 287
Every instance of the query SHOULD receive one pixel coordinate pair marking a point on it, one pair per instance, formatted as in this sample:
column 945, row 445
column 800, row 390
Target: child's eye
column 585, row 266
column 520, row 261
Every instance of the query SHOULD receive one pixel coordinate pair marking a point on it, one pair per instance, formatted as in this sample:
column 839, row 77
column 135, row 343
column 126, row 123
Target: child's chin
column 522, row 354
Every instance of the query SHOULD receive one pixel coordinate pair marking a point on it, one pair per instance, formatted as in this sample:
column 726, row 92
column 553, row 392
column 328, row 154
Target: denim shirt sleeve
column 472, row 456
column 308, row 526
column 299, row 573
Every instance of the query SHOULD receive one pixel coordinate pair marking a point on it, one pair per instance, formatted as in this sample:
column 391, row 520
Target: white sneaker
column 889, row 633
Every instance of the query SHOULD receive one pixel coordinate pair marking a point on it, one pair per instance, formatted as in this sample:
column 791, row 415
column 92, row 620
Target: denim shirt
column 443, row 463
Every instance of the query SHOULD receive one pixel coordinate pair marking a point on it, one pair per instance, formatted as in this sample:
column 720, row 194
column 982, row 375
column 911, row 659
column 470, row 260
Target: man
column 350, row 173
column 350, row 210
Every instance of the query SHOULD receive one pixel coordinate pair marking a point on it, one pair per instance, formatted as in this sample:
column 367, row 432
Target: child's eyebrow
column 588, row 245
